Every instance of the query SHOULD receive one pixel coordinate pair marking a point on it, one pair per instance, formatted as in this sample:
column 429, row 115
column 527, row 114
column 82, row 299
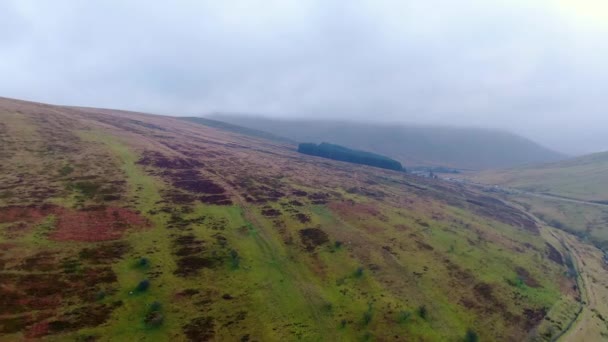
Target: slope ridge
column 217, row 235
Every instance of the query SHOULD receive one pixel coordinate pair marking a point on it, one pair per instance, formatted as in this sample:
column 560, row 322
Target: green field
column 584, row 178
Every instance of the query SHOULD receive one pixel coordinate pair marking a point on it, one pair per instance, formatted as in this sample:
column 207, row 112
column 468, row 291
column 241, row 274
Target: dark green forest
column 341, row 153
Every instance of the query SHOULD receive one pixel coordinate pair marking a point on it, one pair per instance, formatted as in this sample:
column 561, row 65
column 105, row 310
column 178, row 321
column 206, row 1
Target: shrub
column 359, row 272
column 143, row 285
column 471, row 336
column 404, row 316
column 235, row 259
column 154, row 319
column 100, row 295
column 367, row 315
column 155, row 306
column 143, row 262
column 423, row 312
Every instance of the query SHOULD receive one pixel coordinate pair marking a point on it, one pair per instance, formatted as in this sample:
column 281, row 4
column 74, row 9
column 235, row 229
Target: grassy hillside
column 238, row 129
column 124, row 226
column 588, row 222
column 464, row 148
column 584, row 178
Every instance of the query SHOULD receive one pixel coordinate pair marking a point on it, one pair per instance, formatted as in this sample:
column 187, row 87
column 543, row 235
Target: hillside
column 583, row 178
column 121, row 226
column 464, row 148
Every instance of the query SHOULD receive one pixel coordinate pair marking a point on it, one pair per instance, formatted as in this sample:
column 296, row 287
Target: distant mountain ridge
column 463, row 148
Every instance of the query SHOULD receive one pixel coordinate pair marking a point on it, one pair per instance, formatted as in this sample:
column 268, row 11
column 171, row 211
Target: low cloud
column 535, row 69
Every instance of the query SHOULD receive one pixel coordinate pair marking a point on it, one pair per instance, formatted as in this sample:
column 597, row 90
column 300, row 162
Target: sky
column 533, row 67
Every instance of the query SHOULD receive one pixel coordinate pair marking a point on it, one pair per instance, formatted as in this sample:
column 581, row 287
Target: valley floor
column 586, row 219
column 592, row 322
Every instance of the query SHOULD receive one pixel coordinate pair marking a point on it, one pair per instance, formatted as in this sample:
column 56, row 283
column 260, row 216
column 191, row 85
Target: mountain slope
column 465, row 148
column 124, row 226
column 584, row 178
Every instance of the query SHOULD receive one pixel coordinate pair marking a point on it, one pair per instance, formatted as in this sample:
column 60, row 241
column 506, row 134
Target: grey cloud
column 523, row 66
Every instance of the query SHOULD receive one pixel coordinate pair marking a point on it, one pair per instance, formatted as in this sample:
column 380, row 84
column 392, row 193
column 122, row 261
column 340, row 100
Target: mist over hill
column 464, row 148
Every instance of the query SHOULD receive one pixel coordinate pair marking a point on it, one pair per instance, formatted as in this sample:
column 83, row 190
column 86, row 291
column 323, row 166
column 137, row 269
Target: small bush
column 327, row 307
column 367, row 315
column 338, row 244
column 155, row 306
column 143, row 263
column 154, row 317
column 143, row 285
column 403, row 316
column 235, row 259
column 359, row 272
column 100, row 295
column 471, row 336
column 423, row 312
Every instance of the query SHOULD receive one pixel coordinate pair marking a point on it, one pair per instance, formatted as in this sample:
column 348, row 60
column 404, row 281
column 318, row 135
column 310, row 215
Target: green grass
column 586, row 221
column 584, row 178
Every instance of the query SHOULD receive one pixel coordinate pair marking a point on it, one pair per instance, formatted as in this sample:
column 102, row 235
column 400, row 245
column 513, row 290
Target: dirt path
column 592, row 322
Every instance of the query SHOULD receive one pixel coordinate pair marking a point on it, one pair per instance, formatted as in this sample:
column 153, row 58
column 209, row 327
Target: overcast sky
column 534, row 67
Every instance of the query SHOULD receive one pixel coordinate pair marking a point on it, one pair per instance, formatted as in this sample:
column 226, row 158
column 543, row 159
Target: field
column 588, row 222
column 584, row 178
column 124, row 226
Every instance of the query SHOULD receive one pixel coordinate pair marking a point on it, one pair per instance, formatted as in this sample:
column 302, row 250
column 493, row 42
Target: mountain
column 123, row 226
column 584, row 178
column 462, row 148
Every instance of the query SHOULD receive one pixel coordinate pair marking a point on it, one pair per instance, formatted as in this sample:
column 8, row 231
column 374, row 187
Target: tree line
column 341, row 153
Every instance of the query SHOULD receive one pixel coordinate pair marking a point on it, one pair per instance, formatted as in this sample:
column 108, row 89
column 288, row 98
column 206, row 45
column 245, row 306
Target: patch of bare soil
column 90, row 224
column 526, row 277
column 96, row 224
column 319, row 198
column 194, row 256
column 353, row 210
column 82, row 317
column 303, row 218
column 221, row 199
column 312, row 238
column 533, row 317
column 106, row 253
column 270, row 212
column 499, row 211
column 28, row 214
column 182, row 174
column 554, row 255
column 200, row 329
